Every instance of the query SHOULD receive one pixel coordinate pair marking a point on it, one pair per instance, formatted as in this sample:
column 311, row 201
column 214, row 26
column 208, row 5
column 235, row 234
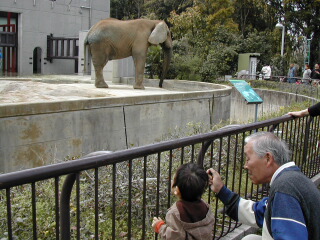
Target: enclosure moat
column 49, row 119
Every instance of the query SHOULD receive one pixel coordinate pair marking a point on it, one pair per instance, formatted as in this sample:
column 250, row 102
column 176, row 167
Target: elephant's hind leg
column 99, row 60
column 100, row 83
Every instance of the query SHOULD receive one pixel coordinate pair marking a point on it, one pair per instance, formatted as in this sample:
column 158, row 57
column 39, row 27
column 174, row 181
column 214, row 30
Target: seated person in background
column 190, row 217
column 315, row 73
column 291, row 212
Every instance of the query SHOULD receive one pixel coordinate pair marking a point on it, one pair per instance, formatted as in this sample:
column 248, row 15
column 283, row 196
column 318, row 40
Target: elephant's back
column 107, row 29
column 111, row 28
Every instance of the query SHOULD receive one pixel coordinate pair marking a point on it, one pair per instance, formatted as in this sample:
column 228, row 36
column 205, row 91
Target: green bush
column 220, row 61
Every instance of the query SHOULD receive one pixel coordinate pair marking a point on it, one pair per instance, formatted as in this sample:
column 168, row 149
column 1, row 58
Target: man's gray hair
column 264, row 142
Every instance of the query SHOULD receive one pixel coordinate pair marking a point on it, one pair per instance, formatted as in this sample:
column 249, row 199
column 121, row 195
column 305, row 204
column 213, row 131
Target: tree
column 254, row 15
column 301, row 18
column 123, row 9
column 221, row 60
column 162, row 9
column 200, row 22
column 209, row 38
column 127, row 9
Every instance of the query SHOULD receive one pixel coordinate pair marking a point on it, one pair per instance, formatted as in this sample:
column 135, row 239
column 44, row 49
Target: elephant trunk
column 166, row 62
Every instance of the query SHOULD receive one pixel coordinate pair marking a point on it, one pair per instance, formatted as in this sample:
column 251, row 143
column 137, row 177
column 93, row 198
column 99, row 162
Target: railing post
column 65, row 206
column 203, row 151
column 49, row 47
column 306, row 140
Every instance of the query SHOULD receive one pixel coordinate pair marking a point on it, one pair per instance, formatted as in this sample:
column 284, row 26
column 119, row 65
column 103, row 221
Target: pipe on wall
column 90, row 12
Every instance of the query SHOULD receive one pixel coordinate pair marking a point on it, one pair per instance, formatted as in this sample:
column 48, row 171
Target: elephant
column 111, row 39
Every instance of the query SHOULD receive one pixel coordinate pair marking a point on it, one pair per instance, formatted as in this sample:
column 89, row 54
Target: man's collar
column 286, row 165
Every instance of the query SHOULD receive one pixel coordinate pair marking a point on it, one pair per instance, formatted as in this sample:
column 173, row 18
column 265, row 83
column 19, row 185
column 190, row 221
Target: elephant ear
column 159, row 33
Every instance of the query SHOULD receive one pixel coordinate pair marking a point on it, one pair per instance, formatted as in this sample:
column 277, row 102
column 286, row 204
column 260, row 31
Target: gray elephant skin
column 111, row 39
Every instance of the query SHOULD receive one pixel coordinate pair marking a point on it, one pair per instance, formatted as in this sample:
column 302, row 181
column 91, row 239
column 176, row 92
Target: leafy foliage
column 162, row 9
column 220, row 61
column 301, row 18
column 154, row 62
column 254, row 15
column 213, row 32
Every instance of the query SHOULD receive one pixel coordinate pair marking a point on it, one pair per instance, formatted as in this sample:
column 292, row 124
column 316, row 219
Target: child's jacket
column 176, row 229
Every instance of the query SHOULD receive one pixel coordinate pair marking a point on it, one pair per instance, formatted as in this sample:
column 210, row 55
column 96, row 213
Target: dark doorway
column 37, row 54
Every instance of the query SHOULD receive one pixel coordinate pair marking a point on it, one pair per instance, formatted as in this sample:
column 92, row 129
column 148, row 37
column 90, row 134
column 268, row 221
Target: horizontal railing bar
column 63, row 38
column 45, row 172
column 65, row 57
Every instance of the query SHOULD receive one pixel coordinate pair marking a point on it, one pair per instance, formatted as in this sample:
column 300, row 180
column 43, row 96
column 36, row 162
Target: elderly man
column 292, row 209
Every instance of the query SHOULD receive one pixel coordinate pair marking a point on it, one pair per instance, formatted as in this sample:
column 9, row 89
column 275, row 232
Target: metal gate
column 63, row 48
column 8, row 45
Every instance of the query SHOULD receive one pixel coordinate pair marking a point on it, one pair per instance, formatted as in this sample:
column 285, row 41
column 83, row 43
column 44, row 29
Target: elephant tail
column 85, row 44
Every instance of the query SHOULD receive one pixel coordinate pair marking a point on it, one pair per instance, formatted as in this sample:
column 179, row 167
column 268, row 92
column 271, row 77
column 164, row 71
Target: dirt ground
column 65, row 88
column 28, row 91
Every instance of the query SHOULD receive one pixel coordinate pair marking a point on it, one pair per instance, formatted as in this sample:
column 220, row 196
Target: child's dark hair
column 192, row 181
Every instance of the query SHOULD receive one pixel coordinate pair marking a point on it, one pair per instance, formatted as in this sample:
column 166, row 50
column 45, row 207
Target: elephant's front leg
column 139, row 62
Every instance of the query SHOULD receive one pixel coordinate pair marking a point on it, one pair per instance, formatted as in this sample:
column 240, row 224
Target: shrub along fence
column 115, row 195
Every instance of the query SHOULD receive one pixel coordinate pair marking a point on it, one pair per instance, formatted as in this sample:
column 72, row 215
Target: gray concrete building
column 25, row 26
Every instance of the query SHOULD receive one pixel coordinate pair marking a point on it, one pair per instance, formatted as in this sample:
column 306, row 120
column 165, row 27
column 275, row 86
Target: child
column 190, row 217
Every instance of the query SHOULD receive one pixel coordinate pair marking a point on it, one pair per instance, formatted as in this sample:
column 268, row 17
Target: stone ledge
column 22, row 99
column 240, row 232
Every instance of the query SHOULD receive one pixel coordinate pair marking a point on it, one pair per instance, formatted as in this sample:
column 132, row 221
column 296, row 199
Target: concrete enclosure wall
column 38, row 134
column 272, row 102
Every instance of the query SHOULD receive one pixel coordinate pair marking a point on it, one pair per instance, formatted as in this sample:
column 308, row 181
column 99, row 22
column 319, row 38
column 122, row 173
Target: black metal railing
column 8, row 39
column 117, row 194
column 62, row 48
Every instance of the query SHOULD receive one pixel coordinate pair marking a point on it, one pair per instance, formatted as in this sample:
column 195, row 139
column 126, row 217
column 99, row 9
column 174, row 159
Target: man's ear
column 270, row 159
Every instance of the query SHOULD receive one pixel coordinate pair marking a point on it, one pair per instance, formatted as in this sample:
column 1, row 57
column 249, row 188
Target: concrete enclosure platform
column 48, row 119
